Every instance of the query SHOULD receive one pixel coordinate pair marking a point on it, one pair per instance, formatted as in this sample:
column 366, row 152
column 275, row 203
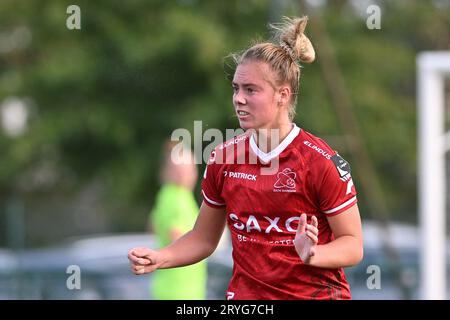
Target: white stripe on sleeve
column 346, row 203
column 211, row 201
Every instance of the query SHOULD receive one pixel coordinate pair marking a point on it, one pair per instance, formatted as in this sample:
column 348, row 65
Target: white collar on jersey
column 266, row 157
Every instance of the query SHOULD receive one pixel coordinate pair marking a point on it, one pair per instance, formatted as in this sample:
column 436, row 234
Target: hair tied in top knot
column 289, row 51
column 291, row 37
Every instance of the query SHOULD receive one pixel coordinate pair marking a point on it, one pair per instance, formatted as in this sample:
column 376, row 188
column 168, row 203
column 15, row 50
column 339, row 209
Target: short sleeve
column 211, row 184
column 336, row 191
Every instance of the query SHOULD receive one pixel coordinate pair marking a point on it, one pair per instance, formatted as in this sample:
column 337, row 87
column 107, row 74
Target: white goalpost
column 433, row 143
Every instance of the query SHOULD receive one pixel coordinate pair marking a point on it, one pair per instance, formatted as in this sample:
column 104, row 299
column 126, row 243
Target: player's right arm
column 194, row 246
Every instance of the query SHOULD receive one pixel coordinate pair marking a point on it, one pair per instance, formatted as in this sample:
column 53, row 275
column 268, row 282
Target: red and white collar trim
column 267, row 157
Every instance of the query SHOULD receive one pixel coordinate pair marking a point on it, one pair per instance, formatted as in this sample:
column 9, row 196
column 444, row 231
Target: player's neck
column 268, row 139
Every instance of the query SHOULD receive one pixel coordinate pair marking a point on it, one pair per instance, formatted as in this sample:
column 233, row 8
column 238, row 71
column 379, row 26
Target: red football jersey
column 263, row 211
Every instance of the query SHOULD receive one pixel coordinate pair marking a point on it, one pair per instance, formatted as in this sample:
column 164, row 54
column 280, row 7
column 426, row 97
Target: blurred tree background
column 101, row 100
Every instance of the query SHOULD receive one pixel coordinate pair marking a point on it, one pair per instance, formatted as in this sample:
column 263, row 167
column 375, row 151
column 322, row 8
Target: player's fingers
column 141, row 255
column 137, row 260
column 132, row 257
column 302, row 223
column 145, row 261
column 314, row 221
column 140, row 269
column 140, row 252
column 312, row 236
column 137, row 269
column 312, row 228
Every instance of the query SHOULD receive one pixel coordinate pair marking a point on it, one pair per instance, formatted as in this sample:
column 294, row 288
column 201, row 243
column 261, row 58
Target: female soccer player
column 293, row 230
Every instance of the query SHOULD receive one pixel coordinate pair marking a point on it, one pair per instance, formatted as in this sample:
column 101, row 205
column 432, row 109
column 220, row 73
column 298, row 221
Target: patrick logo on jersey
column 285, row 181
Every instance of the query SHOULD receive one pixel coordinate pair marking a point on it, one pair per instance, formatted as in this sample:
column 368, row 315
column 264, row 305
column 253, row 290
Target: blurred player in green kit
column 174, row 214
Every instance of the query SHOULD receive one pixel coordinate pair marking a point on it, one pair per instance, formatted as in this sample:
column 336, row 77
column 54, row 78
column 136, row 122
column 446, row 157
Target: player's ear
column 284, row 94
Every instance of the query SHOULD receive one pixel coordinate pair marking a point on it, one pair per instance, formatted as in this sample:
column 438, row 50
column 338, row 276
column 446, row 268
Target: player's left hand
column 306, row 238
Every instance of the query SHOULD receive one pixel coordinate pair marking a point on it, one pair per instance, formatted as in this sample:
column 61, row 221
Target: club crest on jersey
column 285, row 181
